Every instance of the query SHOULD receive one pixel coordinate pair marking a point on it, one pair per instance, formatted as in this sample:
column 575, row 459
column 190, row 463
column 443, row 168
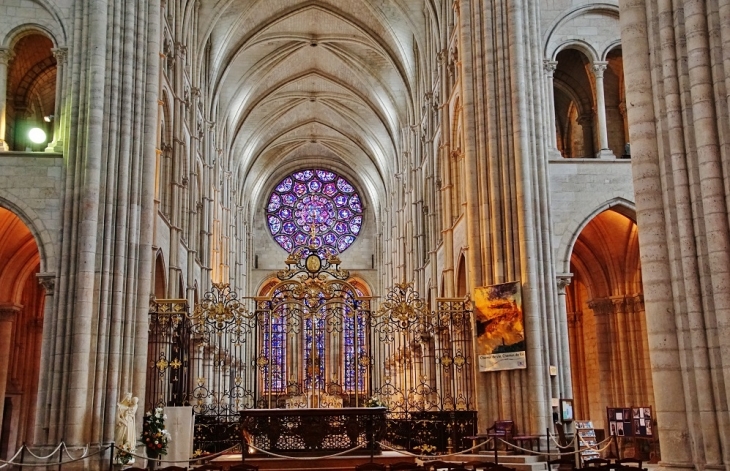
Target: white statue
column 126, row 430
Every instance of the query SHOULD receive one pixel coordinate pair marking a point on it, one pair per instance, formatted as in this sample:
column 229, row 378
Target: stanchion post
column 22, row 454
column 547, row 440
column 111, row 457
column 60, row 455
column 496, row 455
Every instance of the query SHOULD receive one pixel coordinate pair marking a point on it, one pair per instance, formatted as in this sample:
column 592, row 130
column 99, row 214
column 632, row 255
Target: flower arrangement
column 155, row 436
column 374, row 402
column 123, row 454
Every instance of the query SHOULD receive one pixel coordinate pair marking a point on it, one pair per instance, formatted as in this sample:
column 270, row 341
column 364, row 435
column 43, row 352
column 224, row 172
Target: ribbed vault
column 329, row 82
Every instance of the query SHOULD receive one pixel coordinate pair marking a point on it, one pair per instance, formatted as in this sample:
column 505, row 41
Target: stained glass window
column 314, row 210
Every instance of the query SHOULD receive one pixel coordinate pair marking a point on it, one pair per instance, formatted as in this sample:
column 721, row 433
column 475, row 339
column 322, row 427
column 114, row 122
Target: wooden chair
column 501, row 467
column 405, row 466
column 561, row 464
column 501, row 430
column 632, row 462
column 209, row 467
column 479, row 465
column 594, row 462
column 370, row 466
column 243, row 467
column 176, row 468
column 436, row 465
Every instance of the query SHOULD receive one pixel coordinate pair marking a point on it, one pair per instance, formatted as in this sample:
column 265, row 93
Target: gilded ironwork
column 314, row 343
column 315, row 431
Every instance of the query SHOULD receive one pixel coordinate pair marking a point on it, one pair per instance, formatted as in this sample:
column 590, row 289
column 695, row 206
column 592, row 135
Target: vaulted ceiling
column 313, row 83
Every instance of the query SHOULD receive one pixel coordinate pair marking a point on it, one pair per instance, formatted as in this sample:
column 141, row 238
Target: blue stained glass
column 326, row 176
column 285, row 242
column 345, row 213
column 315, row 186
column 274, row 203
column 289, row 228
column 285, row 185
column 274, row 224
column 355, row 203
column 304, row 175
column 330, row 189
column 288, row 199
column 344, row 186
column 344, row 242
column 300, row 189
column 301, row 239
column 285, row 213
column 315, row 202
column 341, row 227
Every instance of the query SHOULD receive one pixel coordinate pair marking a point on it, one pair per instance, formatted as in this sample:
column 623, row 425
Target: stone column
column 604, row 152
column 8, row 312
column 48, row 281
column 57, row 144
column 6, row 55
column 564, row 366
column 549, row 67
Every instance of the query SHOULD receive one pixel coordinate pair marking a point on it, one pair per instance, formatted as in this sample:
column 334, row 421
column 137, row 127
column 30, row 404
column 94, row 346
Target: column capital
column 8, row 311
column 598, row 68
column 563, row 280
column 6, row 55
column 48, row 281
column 549, row 66
column 60, row 53
column 601, row 306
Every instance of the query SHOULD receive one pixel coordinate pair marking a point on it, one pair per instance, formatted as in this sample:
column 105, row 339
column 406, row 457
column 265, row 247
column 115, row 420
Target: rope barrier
column 83, row 455
column 305, row 458
column 568, row 445
column 60, row 463
column 160, row 460
column 20, row 450
column 588, row 447
column 37, row 456
column 422, row 457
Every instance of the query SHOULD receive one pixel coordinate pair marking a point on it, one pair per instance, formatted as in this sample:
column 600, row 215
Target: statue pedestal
column 180, row 425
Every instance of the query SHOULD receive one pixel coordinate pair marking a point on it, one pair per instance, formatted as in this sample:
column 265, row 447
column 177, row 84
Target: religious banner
column 500, row 327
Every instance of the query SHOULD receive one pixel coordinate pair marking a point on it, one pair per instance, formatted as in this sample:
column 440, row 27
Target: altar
column 313, row 431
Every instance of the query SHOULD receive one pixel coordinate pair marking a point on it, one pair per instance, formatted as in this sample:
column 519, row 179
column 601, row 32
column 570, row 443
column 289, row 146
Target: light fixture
column 48, row 118
column 37, row 135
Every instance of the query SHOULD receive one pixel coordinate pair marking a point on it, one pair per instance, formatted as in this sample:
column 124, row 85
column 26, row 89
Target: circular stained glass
column 314, row 211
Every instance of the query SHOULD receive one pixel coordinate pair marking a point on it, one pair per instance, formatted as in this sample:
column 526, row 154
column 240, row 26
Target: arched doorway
column 607, row 327
column 21, row 321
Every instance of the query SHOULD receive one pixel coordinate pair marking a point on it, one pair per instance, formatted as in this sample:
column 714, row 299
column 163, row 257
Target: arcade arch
column 22, row 302
column 605, row 309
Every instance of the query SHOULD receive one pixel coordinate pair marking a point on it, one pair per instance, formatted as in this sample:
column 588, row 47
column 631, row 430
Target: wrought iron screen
column 168, row 354
column 423, row 369
column 315, row 343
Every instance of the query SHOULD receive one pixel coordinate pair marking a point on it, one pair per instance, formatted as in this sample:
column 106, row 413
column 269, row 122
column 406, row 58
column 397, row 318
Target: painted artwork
column 500, row 327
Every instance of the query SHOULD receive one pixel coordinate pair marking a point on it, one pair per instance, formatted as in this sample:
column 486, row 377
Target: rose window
column 314, row 210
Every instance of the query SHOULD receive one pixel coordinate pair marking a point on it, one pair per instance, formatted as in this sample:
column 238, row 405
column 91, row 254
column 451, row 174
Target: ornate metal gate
column 314, row 343
column 423, row 370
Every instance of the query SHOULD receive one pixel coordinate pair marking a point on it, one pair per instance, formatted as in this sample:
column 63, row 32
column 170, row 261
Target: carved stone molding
column 8, row 311
column 48, row 281
column 563, row 280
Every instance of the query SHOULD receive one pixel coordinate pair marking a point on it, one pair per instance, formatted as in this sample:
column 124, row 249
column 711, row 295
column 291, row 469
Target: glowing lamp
column 37, row 135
